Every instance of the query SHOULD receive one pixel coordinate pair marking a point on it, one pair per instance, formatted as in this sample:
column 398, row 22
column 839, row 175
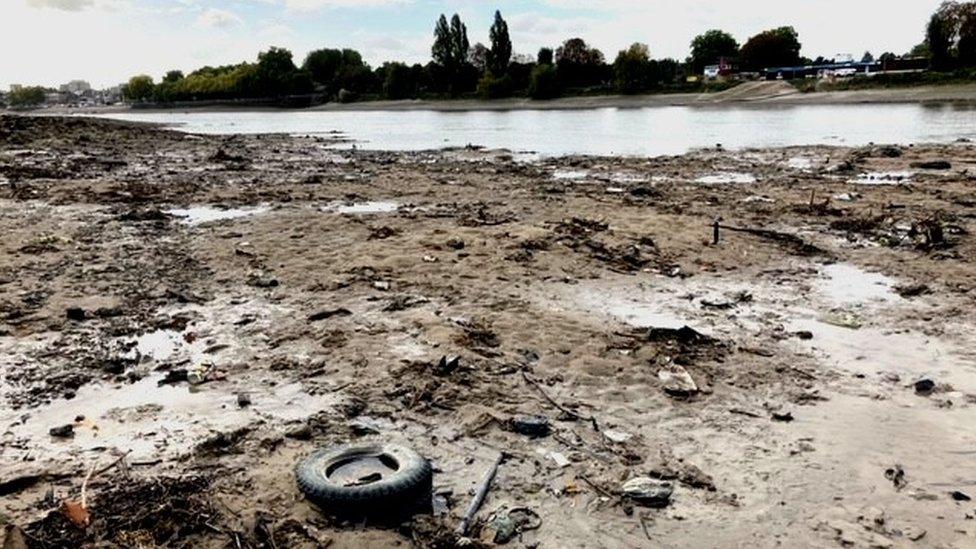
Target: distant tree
column 632, row 69
column 771, row 48
column 967, row 35
column 545, row 56
column 139, row 88
column 868, row 57
column 501, row 46
column 708, row 48
column 399, row 81
column 478, row 56
column 940, row 35
column 276, row 75
column 323, row 65
column 459, row 40
column 442, row 50
column 544, row 82
column 450, row 52
column 173, row 76
column 27, row 96
column 887, row 57
column 578, row 64
column 920, row 50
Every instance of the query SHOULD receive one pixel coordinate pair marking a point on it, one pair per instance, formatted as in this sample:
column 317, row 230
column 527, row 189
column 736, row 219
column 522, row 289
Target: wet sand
column 325, row 285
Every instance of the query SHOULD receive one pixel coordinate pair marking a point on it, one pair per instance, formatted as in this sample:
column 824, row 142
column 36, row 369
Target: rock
column 76, row 313
column 677, row 382
column 783, row 416
column 648, row 491
column 174, row 376
column 617, row 436
column 262, row 281
column 64, row 431
column 455, row 244
column 561, row 460
column 924, row 386
column 531, row 426
column 897, row 476
column 325, row 315
column 960, row 496
column 243, row 400
column 804, row 335
column 446, row 366
column 302, row 432
column 932, row 165
column 362, row 428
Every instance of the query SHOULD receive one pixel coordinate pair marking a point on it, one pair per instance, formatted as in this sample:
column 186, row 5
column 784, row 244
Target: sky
column 49, row 42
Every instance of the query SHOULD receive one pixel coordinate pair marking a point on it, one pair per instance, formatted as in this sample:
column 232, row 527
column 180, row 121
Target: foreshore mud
column 783, row 335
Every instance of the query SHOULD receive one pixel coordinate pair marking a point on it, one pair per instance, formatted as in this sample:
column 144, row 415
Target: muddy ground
column 324, row 285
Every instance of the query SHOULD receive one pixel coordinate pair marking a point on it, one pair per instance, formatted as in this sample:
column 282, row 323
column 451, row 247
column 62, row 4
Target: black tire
column 404, row 492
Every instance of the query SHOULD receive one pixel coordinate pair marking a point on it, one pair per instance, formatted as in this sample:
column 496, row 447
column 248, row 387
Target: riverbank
column 324, row 287
column 762, row 94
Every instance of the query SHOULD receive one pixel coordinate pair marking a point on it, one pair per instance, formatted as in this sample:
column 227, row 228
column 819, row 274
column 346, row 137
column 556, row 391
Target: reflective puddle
column 364, row 208
column 882, row 178
column 846, row 284
column 726, row 178
column 199, row 215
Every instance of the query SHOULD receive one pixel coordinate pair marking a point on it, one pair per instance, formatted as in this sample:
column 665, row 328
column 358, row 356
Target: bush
column 27, row 97
column 544, row 82
column 490, row 87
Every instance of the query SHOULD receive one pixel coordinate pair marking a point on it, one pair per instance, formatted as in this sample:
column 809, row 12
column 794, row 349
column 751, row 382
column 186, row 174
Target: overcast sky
column 105, row 41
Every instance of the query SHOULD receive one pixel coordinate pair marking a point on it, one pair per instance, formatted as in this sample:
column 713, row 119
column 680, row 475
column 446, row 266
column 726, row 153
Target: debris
column 677, row 382
column 177, row 375
column 897, row 476
column 960, row 496
column 785, row 417
column 479, row 496
column 200, row 372
column 842, row 320
column 912, row 290
column 924, row 386
column 805, row 335
column 77, row 513
column 447, row 366
column 648, row 491
column 531, row 426
column 617, row 436
column 932, row 165
column 325, row 315
column 63, row 431
column 262, row 281
column 561, row 460
column 455, row 244
column 243, row 400
column 503, row 525
column 76, row 313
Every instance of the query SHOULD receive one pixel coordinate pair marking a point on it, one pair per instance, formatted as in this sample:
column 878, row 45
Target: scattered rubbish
column 677, row 382
column 325, row 315
column 447, row 366
column 882, row 178
column 479, row 496
column 385, row 481
column 648, row 491
column 63, row 431
column 897, row 476
column 842, row 320
column 531, row 426
column 199, row 372
column 758, row 199
column 504, row 524
column 559, row 459
column 847, row 197
column 924, row 386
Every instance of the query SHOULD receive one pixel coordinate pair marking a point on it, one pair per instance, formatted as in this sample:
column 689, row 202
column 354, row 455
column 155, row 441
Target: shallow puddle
column 726, row 178
column 364, row 208
column 570, row 175
column 799, row 163
column 199, row 215
column 846, row 284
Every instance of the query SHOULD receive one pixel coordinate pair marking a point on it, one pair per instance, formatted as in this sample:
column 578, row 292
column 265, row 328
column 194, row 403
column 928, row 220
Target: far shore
column 759, row 94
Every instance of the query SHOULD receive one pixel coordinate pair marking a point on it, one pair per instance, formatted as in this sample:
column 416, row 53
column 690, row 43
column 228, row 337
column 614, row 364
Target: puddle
column 846, row 284
column 570, row 175
column 799, row 163
column 363, row 208
column 726, row 178
column 623, row 307
column 882, row 178
column 622, row 177
column 199, row 215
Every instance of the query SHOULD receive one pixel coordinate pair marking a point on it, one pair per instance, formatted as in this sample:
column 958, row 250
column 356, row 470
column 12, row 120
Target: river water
column 610, row 131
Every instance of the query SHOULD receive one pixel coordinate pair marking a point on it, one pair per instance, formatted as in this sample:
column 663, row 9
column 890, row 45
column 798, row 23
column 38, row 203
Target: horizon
column 112, row 40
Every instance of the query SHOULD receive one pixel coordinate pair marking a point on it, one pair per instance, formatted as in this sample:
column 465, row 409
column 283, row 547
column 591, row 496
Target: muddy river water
column 611, row 131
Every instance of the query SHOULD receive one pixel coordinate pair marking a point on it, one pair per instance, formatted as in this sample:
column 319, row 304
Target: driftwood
column 798, row 245
column 479, row 497
column 559, row 406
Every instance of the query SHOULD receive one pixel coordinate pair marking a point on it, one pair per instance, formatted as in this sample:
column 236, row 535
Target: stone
column 531, row 426
column 63, row 431
column 677, row 382
column 648, row 491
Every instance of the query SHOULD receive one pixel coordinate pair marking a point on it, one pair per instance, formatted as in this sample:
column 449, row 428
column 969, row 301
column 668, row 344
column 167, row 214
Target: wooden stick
column 559, row 406
column 479, row 497
column 84, row 487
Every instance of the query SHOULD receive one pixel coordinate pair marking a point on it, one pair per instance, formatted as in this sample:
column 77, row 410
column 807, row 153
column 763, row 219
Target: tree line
column 459, row 69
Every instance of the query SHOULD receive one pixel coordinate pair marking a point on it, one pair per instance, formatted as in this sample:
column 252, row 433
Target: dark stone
column 804, row 335
column 64, row 431
column 932, row 165
column 447, row 366
column 783, row 416
column 960, row 496
column 76, row 313
column 924, row 386
column 243, row 400
column 325, row 315
column 455, row 244
column 531, row 426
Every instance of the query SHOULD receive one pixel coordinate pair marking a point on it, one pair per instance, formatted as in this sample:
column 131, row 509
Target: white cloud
column 65, row 5
column 218, row 19
column 309, row 5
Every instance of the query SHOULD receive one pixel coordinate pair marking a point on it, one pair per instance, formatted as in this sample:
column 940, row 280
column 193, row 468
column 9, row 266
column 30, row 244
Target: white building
column 76, row 87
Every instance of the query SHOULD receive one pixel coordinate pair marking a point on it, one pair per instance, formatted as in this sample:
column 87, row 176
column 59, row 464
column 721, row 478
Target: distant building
column 76, row 87
column 723, row 69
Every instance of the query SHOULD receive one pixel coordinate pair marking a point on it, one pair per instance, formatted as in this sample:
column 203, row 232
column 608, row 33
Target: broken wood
column 798, row 244
column 479, row 497
column 560, row 407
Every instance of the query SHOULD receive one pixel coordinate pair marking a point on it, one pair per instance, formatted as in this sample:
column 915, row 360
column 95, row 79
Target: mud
column 323, row 287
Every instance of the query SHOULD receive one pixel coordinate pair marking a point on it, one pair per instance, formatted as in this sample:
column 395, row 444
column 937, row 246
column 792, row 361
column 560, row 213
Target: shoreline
column 765, row 94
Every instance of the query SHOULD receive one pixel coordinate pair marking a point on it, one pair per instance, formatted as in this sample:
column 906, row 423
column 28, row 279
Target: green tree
column 708, row 48
column 450, row 52
column 544, row 82
column 501, row 46
column 323, row 65
column 939, row 37
column 441, row 51
column 459, row 41
column 578, row 64
column 868, row 57
column 139, row 88
column 632, row 69
column 479, row 57
column 399, row 81
column 29, row 96
column 772, row 48
column 544, row 57
column 173, row 76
